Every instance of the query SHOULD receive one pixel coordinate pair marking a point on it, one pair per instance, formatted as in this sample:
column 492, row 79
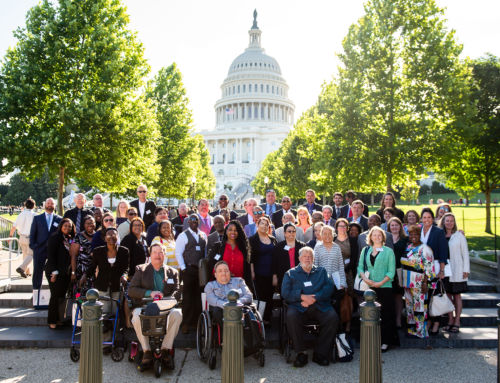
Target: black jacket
column 316, row 206
column 58, row 257
column 232, row 213
column 254, row 241
column 399, row 213
column 281, row 260
column 137, row 251
column 278, row 216
column 218, row 250
column 149, row 211
column 363, row 221
column 109, row 275
column 73, row 213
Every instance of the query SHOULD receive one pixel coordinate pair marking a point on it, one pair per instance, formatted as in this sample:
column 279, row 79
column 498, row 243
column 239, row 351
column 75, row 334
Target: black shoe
column 21, row 271
column 300, row 360
column 320, row 360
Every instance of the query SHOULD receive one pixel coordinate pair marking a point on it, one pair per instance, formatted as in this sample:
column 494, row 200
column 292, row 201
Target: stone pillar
column 232, row 369
column 216, row 151
column 370, row 364
column 91, row 340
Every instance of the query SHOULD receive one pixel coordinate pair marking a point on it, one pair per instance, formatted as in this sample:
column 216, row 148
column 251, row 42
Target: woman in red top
column 234, row 250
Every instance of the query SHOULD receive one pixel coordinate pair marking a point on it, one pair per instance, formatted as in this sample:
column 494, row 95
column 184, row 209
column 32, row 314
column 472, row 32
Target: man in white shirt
column 23, row 227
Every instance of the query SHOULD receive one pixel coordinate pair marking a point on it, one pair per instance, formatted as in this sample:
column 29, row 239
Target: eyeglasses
column 291, row 231
column 344, row 226
column 109, row 220
column 270, row 191
column 141, row 191
column 132, row 213
column 193, row 219
column 285, row 201
column 223, row 199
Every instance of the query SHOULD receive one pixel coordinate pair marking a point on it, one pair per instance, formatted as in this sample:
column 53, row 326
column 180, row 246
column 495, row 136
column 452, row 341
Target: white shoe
column 384, row 347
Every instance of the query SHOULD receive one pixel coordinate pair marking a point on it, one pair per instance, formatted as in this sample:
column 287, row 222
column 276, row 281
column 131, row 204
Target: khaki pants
column 173, row 323
column 24, row 244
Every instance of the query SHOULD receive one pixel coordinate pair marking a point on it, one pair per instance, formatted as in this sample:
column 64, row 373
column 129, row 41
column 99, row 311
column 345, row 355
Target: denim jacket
column 297, row 282
column 217, row 293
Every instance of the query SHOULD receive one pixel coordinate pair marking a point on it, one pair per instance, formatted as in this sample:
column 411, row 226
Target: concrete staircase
column 22, row 326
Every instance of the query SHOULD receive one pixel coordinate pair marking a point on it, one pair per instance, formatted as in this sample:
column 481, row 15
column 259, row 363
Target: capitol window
column 244, row 88
column 250, row 88
column 261, row 88
column 273, row 89
column 267, row 88
column 255, row 88
column 233, row 89
column 238, row 89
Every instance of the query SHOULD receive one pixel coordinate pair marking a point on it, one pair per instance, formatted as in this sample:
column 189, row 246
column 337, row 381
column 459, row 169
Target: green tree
column 70, row 100
column 20, row 188
column 473, row 158
column 177, row 147
column 201, row 170
column 399, row 87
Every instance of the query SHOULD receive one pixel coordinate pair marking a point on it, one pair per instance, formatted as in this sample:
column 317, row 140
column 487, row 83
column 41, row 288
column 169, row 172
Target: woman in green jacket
column 377, row 266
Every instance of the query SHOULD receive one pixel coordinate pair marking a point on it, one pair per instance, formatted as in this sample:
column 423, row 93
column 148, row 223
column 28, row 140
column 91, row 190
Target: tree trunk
column 487, row 193
column 60, row 192
column 111, row 201
column 388, row 180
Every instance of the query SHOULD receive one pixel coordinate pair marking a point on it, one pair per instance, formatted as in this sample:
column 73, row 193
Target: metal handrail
column 11, row 240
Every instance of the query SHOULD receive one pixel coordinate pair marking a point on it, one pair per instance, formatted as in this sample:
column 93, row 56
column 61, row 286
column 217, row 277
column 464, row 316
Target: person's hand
column 466, row 275
column 123, row 280
column 307, row 300
column 155, row 293
column 83, row 279
column 53, row 278
column 73, row 277
column 253, row 275
column 441, row 275
column 275, row 280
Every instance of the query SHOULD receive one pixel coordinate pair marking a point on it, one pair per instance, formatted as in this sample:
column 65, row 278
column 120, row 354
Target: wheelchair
column 155, row 328
column 209, row 335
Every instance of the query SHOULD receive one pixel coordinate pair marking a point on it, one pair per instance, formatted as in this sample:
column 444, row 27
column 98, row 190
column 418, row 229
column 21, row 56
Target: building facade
column 252, row 117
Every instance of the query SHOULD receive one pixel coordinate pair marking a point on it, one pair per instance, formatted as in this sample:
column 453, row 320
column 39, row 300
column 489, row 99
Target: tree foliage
column 20, row 188
column 70, row 100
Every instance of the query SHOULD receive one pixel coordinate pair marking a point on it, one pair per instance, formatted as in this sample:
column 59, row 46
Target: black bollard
column 91, row 340
column 370, row 365
column 232, row 345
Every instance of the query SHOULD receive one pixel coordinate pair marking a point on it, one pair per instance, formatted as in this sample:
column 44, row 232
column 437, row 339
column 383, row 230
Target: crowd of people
column 309, row 254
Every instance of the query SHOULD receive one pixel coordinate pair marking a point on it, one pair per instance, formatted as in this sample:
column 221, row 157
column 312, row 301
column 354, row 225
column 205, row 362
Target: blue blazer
column 39, row 233
column 437, row 242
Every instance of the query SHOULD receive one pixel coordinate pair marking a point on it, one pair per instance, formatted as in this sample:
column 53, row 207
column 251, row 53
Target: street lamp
column 193, row 181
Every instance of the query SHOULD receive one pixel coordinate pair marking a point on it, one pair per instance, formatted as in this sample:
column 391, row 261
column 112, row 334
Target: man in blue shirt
column 308, row 291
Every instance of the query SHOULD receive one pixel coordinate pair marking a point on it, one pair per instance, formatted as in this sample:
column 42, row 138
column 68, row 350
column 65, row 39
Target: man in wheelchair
column 159, row 281
column 308, row 290
column 217, row 290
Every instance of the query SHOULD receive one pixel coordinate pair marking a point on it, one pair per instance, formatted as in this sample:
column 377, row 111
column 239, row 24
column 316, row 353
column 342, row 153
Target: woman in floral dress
column 80, row 251
column 418, row 271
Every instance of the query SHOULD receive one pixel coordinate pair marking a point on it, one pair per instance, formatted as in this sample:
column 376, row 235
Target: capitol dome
column 252, row 117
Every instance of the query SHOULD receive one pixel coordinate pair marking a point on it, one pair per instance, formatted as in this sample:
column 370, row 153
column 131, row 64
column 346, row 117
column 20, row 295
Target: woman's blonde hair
column 303, row 208
column 370, row 233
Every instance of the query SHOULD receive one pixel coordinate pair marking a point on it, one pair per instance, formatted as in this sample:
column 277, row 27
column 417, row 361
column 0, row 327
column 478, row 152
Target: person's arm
column 391, row 264
column 464, row 250
column 151, row 233
column 246, row 296
column 340, row 266
column 126, row 265
column 289, row 292
column 180, row 246
column 74, row 249
column 135, row 290
column 51, row 265
column 212, row 299
column 326, row 283
column 33, row 234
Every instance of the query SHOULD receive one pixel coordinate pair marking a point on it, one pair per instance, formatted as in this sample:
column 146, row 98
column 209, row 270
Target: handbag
column 440, row 303
column 360, row 285
column 343, row 349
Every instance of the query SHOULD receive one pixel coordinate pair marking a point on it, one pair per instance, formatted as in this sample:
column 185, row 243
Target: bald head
column 49, row 205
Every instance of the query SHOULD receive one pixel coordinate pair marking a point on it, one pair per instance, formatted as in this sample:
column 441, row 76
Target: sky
column 204, row 37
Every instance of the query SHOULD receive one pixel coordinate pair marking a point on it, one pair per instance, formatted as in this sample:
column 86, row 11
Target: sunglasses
column 286, row 201
column 109, row 220
column 222, row 199
column 193, row 219
column 132, row 213
column 141, row 191
column 258, row 212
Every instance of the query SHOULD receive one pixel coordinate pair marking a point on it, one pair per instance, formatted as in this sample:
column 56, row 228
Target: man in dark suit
column 286, row 207
column 178, row 222
column 357, row 214
column 223, row 204
column 217, row 235
column 350, row 197
column 339, row 211
column 248, row 218
column 311, row 204
column 328, row 216
column 145, row 208
column 79, row 212
column 42, row 227
column 270, row 207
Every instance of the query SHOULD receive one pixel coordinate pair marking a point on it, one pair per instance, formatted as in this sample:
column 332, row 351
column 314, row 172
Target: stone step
column 475, row 300
column 478, row 317
column 477, row 286
column 22, row 317
column 35, row 336
column 468, row 337
column 16, row 300
column 24, row 285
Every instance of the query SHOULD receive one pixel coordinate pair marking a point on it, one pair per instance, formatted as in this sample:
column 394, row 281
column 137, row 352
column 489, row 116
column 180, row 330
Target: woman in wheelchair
column 217, row 290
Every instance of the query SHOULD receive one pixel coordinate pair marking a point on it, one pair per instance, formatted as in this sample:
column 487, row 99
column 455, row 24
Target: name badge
column 148, row 211
column 347, row 261
column 198, row 248
column 379, row 249
column 56, row 224
column 217, row 257
column 287, row 248
column 308, row 284
column 170, row 281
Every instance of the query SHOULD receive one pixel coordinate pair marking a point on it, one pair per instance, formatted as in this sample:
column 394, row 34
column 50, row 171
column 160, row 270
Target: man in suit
column 151, row 280
column 217, row 235
column 286, row 207
column 270, row 207
column 79, row 212
column 145, row 208
column 248, row 218
column 311, row 202
column 328, row 216
column 350, row 197
column 223, row 204
column 357, row 214
column 205, row 219
column 42, row 227
column 339, row 211
column 97, row 201
column 178, row 222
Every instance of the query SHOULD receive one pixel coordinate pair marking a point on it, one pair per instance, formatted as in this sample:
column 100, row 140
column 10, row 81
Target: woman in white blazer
column 460, row 268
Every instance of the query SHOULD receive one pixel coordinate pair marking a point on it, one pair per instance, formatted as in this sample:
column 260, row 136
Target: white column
column 227, row 152
column 216, row 151
column 253, row 149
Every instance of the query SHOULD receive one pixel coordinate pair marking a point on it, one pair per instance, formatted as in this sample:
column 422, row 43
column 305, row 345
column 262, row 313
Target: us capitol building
column 252, row 117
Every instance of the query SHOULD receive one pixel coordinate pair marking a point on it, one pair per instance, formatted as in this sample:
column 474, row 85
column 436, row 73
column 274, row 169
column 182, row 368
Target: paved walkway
column 402, row 365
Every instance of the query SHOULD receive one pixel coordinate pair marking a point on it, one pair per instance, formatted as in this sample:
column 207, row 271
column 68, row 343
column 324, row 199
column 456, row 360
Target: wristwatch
column 72, row 273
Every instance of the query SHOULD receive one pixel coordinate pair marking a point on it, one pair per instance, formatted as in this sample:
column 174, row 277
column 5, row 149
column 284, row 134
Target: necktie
column 78, row 220
column 48, row 216
column 337, row 212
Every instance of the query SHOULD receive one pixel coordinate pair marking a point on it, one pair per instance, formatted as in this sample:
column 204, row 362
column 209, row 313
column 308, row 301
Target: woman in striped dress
column 327, row 254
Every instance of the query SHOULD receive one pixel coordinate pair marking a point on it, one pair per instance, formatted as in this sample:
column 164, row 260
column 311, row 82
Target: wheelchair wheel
column 212, row 360
column 117, row 354
column 74, row 354
column 204, row 336
column 158, row 367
